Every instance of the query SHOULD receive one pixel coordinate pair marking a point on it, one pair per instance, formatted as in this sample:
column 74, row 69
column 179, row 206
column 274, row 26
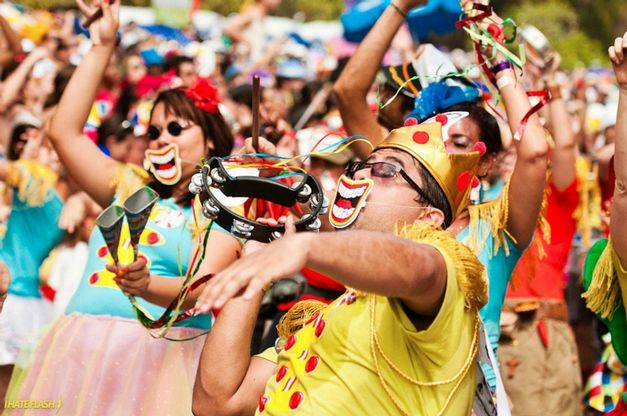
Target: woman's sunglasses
column 173, row 128
column 387, row 170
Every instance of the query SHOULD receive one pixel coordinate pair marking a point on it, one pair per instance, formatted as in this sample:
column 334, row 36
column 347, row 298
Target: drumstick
column 256, row 93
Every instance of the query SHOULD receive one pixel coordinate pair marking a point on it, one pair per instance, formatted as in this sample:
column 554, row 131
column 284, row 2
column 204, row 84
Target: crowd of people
column 471, row 261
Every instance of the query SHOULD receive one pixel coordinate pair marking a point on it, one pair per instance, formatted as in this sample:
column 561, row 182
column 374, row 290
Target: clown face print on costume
column 164, row 164
column 350, row 198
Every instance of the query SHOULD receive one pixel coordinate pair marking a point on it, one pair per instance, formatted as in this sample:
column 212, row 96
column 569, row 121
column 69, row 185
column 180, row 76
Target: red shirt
column 544, row 279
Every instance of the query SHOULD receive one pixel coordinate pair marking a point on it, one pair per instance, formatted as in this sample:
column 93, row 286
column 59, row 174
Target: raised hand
column 104, row 30
column 73, row 213
column 618, row 56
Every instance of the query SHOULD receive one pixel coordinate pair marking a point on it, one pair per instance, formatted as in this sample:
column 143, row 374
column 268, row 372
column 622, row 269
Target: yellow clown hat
column 454, row 172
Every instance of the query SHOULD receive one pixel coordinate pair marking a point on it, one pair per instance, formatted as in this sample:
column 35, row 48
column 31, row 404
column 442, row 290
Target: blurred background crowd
column 298, row 48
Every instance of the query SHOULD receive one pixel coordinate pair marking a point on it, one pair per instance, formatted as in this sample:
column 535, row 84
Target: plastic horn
column 138, row 207
column 110, row 224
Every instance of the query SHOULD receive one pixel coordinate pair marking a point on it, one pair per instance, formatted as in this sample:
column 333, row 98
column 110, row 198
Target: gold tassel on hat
column 604, row 292
column 471, row 275
column 32, row 180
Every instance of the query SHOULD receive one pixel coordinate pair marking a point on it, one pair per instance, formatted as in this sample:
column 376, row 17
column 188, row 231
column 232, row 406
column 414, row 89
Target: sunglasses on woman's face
column 173, row 128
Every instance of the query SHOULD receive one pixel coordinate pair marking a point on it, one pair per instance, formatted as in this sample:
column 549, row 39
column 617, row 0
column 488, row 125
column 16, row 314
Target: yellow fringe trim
column 496, row 214
column 603, row 295
column 471, row 274
column 32, row 181
column 128, row 178
column 588, row 212
column 297, row 317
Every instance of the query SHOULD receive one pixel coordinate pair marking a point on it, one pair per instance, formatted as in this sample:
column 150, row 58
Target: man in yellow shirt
column 402, row 340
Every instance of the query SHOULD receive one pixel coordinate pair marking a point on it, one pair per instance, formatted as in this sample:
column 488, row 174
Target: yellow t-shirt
column 328, row 367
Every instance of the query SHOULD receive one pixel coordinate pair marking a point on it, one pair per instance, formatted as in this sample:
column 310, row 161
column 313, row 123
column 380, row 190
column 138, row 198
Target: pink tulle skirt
column 103, row 365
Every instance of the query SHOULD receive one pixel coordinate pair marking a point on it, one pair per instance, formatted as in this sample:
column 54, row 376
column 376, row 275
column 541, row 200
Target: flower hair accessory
column 205, row 95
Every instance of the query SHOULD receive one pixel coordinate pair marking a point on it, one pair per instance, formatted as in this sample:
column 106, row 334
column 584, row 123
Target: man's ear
column 432, row 216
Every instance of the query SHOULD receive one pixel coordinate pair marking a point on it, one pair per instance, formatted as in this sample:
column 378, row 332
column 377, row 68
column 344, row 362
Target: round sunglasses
column 173, row 128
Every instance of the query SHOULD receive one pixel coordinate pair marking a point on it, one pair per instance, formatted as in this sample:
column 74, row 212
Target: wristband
column 503, row 82
column 556, row 92
column 501, row 66
column 398, row 9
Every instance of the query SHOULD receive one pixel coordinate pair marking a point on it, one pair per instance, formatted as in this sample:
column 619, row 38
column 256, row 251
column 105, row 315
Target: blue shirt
column 166, row 243
column 32, row 231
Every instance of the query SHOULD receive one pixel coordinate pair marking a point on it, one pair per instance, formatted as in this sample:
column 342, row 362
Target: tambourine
column 213, row 175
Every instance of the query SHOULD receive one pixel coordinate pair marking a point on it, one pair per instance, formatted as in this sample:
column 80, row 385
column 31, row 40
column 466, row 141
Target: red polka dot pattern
column 296, row 400
column 411, row 121
column 463, row 180
column 152, row 238
column 290, row 342
column 320, row 327
column 102, row 251
column 281, row 373
column 93, row 278
column 312, row 363
column 313, row 318
column 421, row 137
column 442, row 119
column 262, row 403
column 480, row 147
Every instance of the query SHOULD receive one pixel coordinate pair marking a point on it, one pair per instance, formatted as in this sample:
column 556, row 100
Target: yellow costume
column 362, row 354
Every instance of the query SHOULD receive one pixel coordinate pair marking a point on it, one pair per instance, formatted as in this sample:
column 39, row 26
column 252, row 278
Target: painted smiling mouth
column 164, row 163
column 349, row 199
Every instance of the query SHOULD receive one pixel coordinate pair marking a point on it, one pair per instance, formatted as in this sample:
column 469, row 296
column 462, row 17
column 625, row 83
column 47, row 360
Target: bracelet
column 398, row 9
column 503, row 82
column 501, row 66
column 556, row 92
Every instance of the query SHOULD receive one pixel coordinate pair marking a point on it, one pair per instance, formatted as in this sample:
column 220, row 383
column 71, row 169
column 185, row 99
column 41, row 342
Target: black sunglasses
column 387, row 170
column 173, row 128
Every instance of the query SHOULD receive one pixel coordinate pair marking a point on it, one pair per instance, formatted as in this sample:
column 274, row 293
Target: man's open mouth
column 349, row 199
column 165, row 164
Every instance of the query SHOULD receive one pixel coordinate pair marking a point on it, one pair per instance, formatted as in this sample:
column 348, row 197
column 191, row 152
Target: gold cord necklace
column 375, row 347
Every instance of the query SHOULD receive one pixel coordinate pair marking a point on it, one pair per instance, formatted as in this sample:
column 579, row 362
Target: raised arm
column 618, row 55
column 92, row 169
column 353, row 85
column 15, row 82
column 413, row 273
column 529, row 175
column 14, row 42
column 564, row 154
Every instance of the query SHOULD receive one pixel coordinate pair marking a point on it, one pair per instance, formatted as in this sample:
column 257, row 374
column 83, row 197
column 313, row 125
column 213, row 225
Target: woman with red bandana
column 97, row 358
